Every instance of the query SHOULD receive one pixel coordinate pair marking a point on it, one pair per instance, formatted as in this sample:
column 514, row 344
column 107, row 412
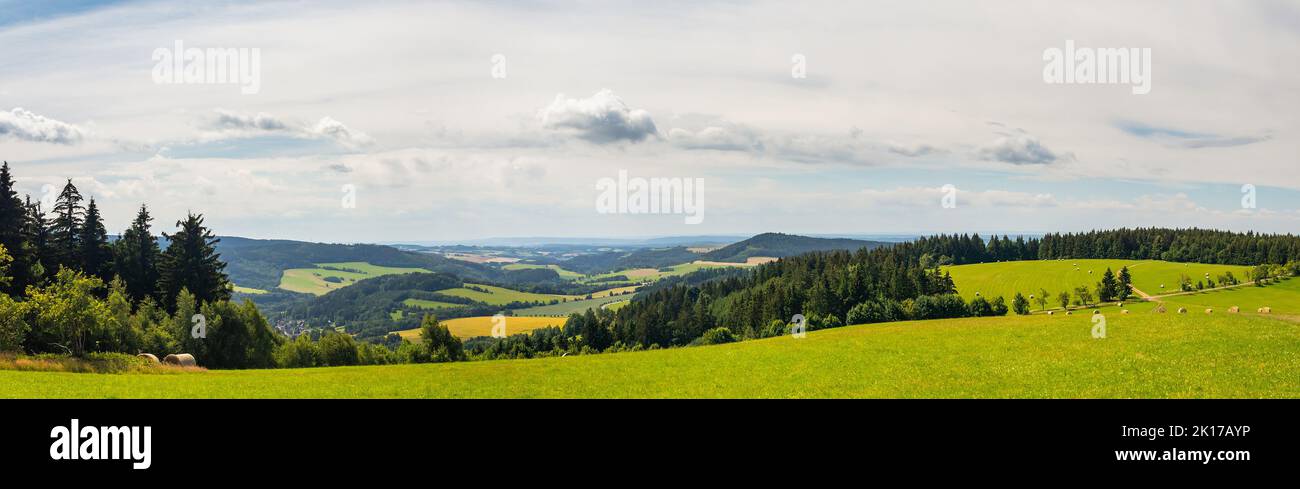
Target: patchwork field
column 1029, row 356
column 567, row 308
column 651, row 274
column 482, row 326
column 500, row 296
column 247, row 290
column 331, row 276
column 1056, row 276
column 428, row 304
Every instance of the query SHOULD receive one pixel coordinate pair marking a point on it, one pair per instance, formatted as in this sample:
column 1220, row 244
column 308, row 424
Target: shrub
column 717, row 336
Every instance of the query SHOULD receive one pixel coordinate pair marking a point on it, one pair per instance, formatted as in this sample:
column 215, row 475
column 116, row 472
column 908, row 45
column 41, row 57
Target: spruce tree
column 191, row 262
column 65, row 228
column 96, row 258
column 44, row 262
column 13, row 219
column 135, row 258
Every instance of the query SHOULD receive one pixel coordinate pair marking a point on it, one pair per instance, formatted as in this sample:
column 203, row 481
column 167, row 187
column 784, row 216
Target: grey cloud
column 25, row 125
column 601, row 118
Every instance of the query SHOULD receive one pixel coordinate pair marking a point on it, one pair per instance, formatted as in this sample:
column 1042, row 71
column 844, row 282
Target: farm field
column 500, row 296
column 651, row 274
column 428, row 304
column 1039, row 356
column 1028, row 277
column 313, row 280
column 247, row 290
column 482, row 326
column 1283, row 298
column 567, row 308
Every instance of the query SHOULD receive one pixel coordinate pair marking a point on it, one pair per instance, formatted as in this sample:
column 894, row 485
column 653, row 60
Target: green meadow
column 564, row 274
column 1029, row 277
column 332, row 276
column 1038, row 356
column 500, row 296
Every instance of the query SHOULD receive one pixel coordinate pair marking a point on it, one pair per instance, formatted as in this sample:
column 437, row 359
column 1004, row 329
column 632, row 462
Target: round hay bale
column 1266, row 310
column 1049, row 313
column 1182, row 310
column 183, row 359
column 1234, row 309
column 149, row 356
column 1124, row 311
column 1069, row 313
column 1209, row 310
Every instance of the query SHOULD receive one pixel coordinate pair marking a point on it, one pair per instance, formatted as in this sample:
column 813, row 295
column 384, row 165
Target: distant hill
column 258, row 263
column 780, row 245
column 620, row 260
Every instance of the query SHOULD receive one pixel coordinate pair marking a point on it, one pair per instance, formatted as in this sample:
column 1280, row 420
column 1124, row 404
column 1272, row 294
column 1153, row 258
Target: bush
column 337, row 349
column 1020, row 304
column 13, row 329
column 999, row 306
column 979, row 307
column 717, row 336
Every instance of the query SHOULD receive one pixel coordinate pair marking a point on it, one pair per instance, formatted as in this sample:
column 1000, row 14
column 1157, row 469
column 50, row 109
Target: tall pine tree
column 136, row 256
column 65, row 228
column 13, row 219
column 96, row 258
column 191, row 262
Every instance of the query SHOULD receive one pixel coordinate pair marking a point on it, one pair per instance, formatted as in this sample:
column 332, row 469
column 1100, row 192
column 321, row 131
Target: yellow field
column 482, row 326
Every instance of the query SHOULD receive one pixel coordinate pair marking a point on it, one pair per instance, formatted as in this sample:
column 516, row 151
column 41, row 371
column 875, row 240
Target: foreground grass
column 1145, row 355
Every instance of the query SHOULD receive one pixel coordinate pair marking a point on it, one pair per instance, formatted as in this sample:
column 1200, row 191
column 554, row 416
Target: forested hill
column 780, row 245
column 259, row 263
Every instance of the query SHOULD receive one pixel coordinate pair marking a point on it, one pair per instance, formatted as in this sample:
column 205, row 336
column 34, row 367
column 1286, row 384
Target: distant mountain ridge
column 780, row 245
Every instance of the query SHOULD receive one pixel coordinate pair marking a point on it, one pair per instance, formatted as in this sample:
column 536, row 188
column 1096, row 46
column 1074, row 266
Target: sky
column 438, row 121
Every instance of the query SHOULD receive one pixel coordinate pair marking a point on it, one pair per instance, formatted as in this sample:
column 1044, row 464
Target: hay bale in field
column 1160, row 309
column 1068, row 313
column 1182, row 310
column 1209, row 310
column 1234, row 309
column 183, row 359
column 1266, row 310
column 1096, row 312
column 1049, row 313
column 149, row 356
column 1124, row 311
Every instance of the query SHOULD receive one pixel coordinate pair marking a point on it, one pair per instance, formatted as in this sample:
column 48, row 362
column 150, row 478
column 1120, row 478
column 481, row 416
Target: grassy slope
column 566, row 308
column 1144, row 355
column 482, row 326
column 500, row 295
column 1027, row 277
column 1283, row 298
column 311, row 280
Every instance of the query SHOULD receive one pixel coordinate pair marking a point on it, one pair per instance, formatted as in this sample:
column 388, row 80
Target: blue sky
column 464, row 120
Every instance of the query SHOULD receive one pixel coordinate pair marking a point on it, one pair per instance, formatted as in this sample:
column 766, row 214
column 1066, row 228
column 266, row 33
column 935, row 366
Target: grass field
column 313, row 280
column 499, row 296
column 651, row 274
column 567, row 308
column 428, row 304
column 1159, row 356
column 1283, row 298
column 482, row 326
column 1028, row 277
column 247, row 290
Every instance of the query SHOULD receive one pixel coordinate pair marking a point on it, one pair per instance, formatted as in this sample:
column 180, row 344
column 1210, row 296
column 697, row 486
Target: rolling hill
column 260, row 264
column 778, row 245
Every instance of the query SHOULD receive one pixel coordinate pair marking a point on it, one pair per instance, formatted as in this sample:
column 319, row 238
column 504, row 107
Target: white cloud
column 25, row 125
column 601, row 118
column 225, row 124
